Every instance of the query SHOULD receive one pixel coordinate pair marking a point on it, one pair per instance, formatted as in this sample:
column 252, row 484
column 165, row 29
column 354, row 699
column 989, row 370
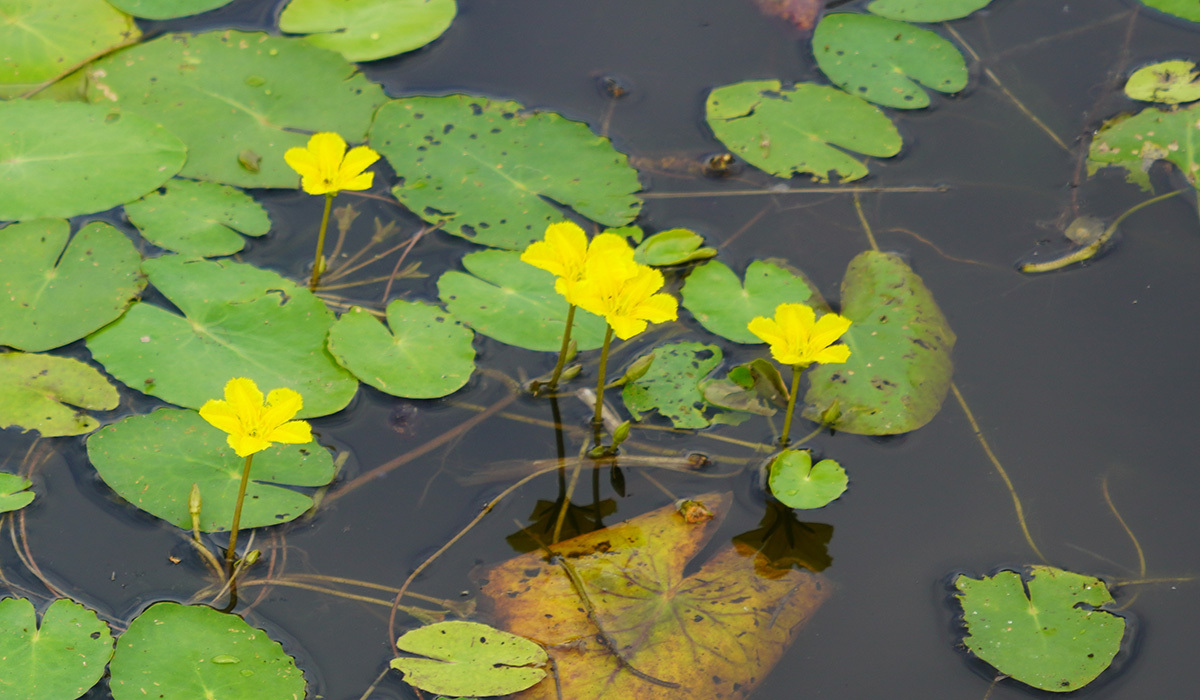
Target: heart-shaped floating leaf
column 673, row 247
column 232, row 95
column 33, row 389
column 59, row 660
column 167, row 9
column 238, row 321
column 497, row 173
column 53, row 293
column 800, row 129
column 1045, row 630
column 882, row 60
column 713, row 633
column 45, row 39
column 365, row 30
column 925, row 10
column 798, row 483
column 64, row 158
column 1169, row 82
column 469, row 658
column 515, row 303
column 193, row 651
column 899, row 368
column 426, row 354
column 1187, row 9
column 13, row 493
column 200, row 219
column 153, row 460
column 672, row 384
column 724, row 306
column 1136, row 142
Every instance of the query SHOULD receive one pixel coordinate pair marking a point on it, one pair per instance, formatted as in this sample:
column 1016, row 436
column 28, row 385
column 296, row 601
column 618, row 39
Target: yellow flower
column 564, row 253
column 253, row 425
column 798, row 338
column 625, row 293
column 326, row 168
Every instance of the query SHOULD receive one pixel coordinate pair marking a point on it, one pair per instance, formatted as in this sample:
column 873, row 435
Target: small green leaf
column 200, row 219
column 925, row 10
column 167, row 9
column 192, row 651
column 13, row 494
column 673, row 247
column 672, row 384
column 469, row 658
column 1045, row 630
column 366, row 30
column 59, row 660
column 800, row 129
column 427, row 353
column 515, row 303
column 53, row 292
column 798, row 483
column 723, row 306
column 1187, row 9
column 754, row 387
column 1170, row 82
column 33, row 389
column 1135, row 142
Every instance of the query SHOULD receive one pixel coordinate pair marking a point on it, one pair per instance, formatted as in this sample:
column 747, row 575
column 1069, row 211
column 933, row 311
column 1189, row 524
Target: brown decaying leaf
column 712, row 635
column 801, row 13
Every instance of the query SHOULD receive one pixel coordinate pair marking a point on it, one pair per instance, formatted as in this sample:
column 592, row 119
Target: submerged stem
column 316, row 273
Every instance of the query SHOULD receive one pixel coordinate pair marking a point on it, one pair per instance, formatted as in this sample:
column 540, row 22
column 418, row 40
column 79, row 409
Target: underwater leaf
column 238, row 321
column 795, row 130
column 724, row 306
column 59, row 660
column 1045, row 630
column 882, row 60
column 46, row 39
column 1135, row 142
column 200, row 219
column 226, row 93
column 53, row 292
column 712, row 634
column 366, row 30
column 543, row 522
column 515, row 303
column 469, row 658
column 167, row 9
column 153, row 460
column 14, row 496
column 672, row 385
column 175, row 651
column 426, row 354
column 899, row 368
column 925, row 10
column 1169, row 82
column 784, row 541
column 754, row 387
column 498, row 174
column 802, row 14
column 1187, row 9
column 65, row 158
column 673, row 247
column 34, row 389
column 798, row 483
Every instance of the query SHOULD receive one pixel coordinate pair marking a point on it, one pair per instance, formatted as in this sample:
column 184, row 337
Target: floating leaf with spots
column 366, row 30
column 201, row 219
column 35, row 391
column 60, row 659
column 672, row 385
column 723, row 305
column 925, row 10
column 469, row 658
column 1169, row 82
column 1136, row 142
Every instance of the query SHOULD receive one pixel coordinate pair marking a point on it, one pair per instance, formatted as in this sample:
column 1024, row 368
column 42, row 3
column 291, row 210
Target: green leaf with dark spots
column 35, row 388
column 672, row 385
column 201, row 219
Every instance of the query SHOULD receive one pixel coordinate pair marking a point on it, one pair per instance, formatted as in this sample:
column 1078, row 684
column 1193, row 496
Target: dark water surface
column 1075, row 378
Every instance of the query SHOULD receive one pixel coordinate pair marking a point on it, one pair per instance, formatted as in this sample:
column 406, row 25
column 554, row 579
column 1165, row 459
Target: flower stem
column 597, row 420
column 562, row 352
column 231, row 553
column 784, row 438
column 316, row 273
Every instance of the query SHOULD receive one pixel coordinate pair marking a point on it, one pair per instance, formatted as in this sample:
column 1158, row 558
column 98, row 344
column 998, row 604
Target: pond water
column 1081, row 381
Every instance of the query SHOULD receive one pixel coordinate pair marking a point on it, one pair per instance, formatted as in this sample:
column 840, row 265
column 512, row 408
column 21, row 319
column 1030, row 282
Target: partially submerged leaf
column 1170, row 82
column 1187, row 9
column 1136, row 142
column 61, row 659
column 13, row 493
column 673, row 247
column 672, row 384
column 754, row 387
column 167, row 9
column 721, row 303
column 925, row 10
column 366, row 30
column 34, row 389
column 469, row 658
column 201, row 219
column 798, row 483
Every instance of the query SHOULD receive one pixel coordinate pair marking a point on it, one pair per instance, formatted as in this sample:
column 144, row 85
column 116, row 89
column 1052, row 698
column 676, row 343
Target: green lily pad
column 53, row 292
column 1044, row 630
column 798, row 483
column 469, row 658
column 34, row 389
column 1187, row 9
column 925, row 10
column 723, row 306
column 672, row 385
column 882, row 60
column 675, row 246
column 238, row 321
column 800, row 129
column 515, row 303
column 426, row 354
column 230, row 95
column 1170, row 82
column 899, row 368
column 192, row 651
column 200, row 219
column 1135, row 142
column 495, row 172
column 46, row 39
column 167, row 9
column 13, row 495
column 65, row 158
column 754, row 387
column 366, row 30
column 59, row 660
column 153, row 460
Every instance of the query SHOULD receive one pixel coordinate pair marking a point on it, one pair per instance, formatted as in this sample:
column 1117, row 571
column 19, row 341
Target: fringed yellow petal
column 253, row 425
column 292, row 432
